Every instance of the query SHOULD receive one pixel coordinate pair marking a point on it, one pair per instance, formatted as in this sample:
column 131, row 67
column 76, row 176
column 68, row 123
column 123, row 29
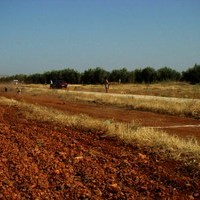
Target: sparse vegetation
column 181, row 107
column 188, row 106
column 162, row 143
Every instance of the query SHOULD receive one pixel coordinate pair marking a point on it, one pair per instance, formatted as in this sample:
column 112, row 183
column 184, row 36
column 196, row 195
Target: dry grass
column 165, row 89
column 166, row 145
column 173, row 106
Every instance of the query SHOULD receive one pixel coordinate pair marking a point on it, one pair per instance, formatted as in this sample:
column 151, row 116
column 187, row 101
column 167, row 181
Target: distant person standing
column 107, row 84
column 51, row 84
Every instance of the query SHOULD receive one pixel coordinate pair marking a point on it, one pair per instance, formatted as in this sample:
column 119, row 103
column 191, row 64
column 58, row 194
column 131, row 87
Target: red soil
column 47, row 161
column 144, row 118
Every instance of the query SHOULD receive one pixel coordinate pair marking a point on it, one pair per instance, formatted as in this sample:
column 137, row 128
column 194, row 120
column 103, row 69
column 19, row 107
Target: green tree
column 94, row 76
column 88, row 76
column 120, row 74
column 168, row 74
column 36, row 79
column 149, row 75
column 138, row 76
column 192, row 75
column 70, row 75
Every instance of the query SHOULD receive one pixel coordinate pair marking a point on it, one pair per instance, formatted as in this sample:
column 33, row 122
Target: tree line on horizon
column 98, row 75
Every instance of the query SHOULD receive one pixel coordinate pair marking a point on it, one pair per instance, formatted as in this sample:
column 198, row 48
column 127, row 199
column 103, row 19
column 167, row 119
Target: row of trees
column 98, row 75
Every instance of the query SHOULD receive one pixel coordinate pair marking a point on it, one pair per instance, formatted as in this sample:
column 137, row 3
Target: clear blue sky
column 43, row 35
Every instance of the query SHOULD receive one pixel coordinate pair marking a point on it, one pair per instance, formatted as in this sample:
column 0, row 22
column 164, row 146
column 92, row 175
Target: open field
column 165, row 89
column 57, row 146
column 170, row 98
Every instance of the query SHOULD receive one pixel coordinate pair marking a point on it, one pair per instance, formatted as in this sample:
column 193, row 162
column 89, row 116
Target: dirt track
column 45, row 161
column 181, row 126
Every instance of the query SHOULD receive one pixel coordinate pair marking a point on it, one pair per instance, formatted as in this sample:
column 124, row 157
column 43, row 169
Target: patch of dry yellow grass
column 173, row 106
column 182, row 106
column 165, row 89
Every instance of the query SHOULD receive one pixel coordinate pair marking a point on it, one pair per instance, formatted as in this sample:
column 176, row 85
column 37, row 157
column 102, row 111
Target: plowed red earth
column 40, row 160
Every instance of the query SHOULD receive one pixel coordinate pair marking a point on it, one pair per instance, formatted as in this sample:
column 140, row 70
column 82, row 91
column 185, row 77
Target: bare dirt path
column 181, row 126
column 40, row 160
